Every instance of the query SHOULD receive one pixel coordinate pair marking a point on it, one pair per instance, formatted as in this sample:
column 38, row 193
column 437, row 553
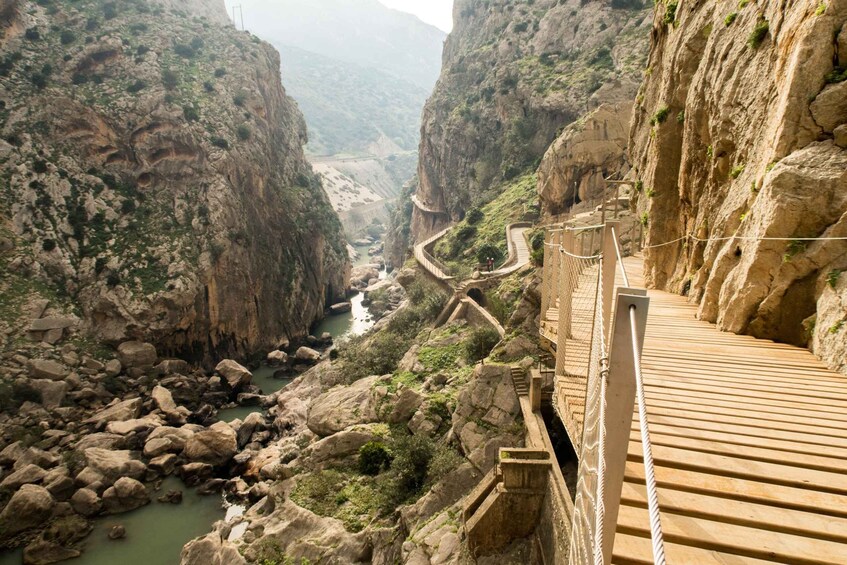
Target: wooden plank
column 695, row 505
column 637, row 550
column 733, row 539
column 745, row 490
column 740, row 467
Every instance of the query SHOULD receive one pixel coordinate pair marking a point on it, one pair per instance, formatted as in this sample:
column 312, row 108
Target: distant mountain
column 363, row 32
column 351, row 108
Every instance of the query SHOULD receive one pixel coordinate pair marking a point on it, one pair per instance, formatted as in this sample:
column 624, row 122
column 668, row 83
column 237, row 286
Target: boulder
column 840, row 136
column 43, row 552
column 236, row 375
column 830, row 107
column 137, row 354
column 125, row 495
column 173, row 366
column 118, row 412
column 165, row 401
column 133, row 426
column 277, row 358
column 52, row 392
column 166, row 440
column 28, row 508
column 193, row 473
column 340, row 308
column 29, row 474
column 342, row 407
column 343, row 444
column 252, row 423
column 50, row 323
column 86, row 502
column 215, row 445
column 211, row 550
column 404, row 406
column 118, row 531
column 11, row 453
column 307, row 354
column 36, row 456
column 113, row 368
column 113, row 465
column 163, row 464
column 102, row 440
column 47, row 369
column 171, row 497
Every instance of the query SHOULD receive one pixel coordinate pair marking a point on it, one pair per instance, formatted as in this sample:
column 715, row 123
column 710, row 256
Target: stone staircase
column 519, row 380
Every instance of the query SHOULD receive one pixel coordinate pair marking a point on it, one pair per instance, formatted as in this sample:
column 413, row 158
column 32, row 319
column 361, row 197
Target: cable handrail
column 656, row 534
column 742, row 238
column 620, row 258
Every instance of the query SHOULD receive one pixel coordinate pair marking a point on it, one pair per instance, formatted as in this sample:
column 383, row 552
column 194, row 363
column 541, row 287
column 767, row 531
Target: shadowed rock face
column 513, row 76
column 736, row 135
column 157, row 179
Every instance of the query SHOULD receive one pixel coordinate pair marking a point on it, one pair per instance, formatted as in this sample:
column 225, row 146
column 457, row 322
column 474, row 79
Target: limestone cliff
column 516, row 73
column 153, row 179
column 738, row 135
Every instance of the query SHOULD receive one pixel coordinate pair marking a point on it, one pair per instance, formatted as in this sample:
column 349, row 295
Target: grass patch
column 757, row 36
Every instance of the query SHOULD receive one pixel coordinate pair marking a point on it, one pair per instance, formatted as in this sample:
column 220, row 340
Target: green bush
column 219, row 73
column 137, row 86
column 48, row 244
column 730, row 19
column 191, row 114
column 67, row 37
column 487, row 250
column 757, row 36
column 412, row 455
column 374, row 458
column 670, row 12
column 170, row 79
column 239, row 100
column 243, row 132
column 660, row 116
column 110, row 10
column 475, row 215
column 480, row 343
column 220, row 142
column 32, row 34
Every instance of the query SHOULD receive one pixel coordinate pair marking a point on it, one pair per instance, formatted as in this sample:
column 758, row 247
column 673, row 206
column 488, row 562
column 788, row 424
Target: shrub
column 680, row 118
column 670, row 12
column 208, row 86
column 48, row 244
column 730, row 19
column 128, row 206
column 110, row 10
column 374, row 457
column 100, row 264
column 466, row 233
column 487, row 250
column 239, row 100
column 113, row 280
column 137, row 86
column 243, row 132
column 757, row 36
column 220, row 73
column 39, row 80
column 838, row 74
column 736, row 171
column 660, row 116
column 191, row 114
column 412, row 455
column 142, row 50
column 32, row 34
column 39, row 166
column 475, row 215
column 832, row 277
column 67, row 37
column 480, row 343
column 92, row 24
column 13, row 395
column 220, row 142
column 170, row 79
column 184, row 51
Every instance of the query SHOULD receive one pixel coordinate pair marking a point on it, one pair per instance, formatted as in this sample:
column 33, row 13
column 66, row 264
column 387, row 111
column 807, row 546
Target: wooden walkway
column 750, row 444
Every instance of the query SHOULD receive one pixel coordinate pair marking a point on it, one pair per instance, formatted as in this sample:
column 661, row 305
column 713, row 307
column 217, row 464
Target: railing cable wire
column 650, row 477
column 620, row 258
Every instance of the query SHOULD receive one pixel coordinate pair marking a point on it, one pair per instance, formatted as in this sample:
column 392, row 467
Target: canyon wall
column 154, row 182
column 738, row 146
column 515, row 74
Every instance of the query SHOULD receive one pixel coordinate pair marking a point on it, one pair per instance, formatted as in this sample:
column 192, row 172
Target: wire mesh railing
column 598, row 349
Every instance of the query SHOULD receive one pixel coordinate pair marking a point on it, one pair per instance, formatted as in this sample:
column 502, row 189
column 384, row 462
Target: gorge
column 175, row 235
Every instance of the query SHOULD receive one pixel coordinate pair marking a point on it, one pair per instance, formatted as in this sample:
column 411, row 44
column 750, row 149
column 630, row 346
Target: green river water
column 157, row 532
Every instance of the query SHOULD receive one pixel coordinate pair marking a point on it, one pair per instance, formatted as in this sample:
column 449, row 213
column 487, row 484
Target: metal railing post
column 546, row 273
column 620, row 401
column 610, row 260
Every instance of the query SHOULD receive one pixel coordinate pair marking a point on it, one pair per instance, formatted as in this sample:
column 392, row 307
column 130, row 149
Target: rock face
column 343, row 407
column 513, row 75
column 160, row 199
column 748, row 148
column 590, row 150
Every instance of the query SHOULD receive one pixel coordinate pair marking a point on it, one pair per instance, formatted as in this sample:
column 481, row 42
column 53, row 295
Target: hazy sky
column 436, row 12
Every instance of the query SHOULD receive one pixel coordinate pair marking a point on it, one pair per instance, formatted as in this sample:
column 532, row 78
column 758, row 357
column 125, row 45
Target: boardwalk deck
column 750, row 443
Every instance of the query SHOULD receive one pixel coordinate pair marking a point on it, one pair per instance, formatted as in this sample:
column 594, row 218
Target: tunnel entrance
column 477, row 296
